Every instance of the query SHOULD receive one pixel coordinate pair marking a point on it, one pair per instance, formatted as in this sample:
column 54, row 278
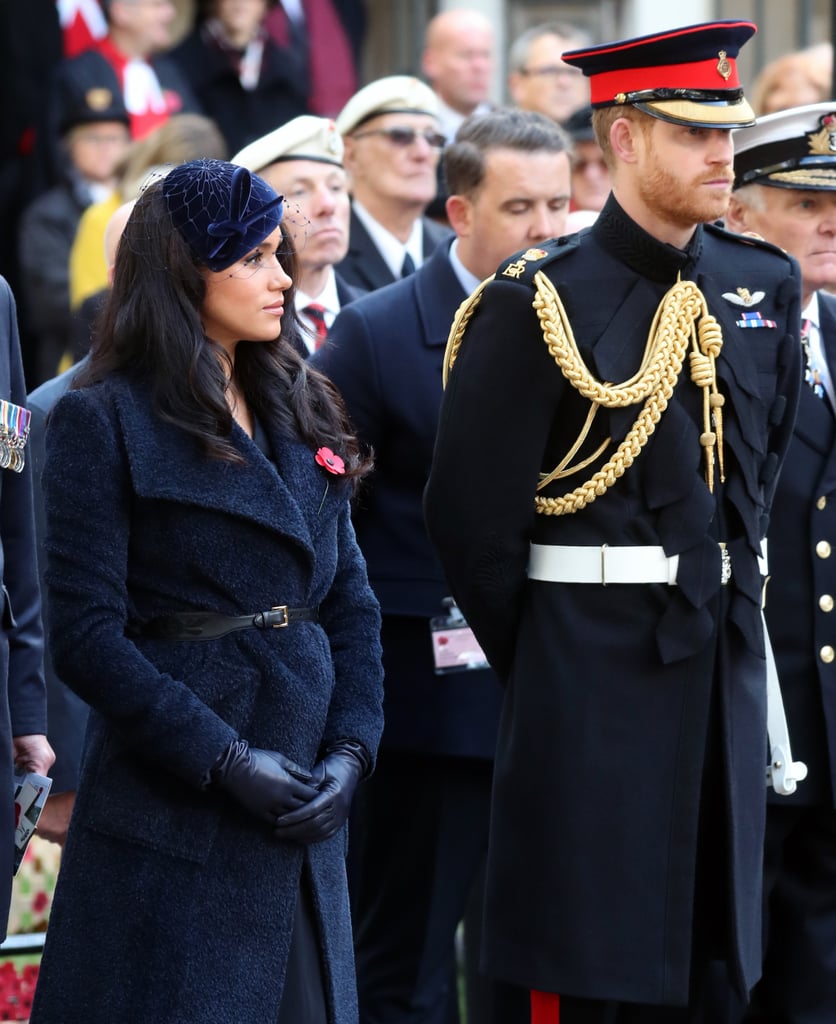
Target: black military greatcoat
column 631, row 710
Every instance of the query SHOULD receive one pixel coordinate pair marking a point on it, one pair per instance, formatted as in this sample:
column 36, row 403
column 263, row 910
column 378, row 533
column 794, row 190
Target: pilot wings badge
column 743, row 297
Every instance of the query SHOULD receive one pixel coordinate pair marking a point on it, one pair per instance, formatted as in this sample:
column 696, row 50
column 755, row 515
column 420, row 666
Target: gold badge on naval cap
column 823, row 141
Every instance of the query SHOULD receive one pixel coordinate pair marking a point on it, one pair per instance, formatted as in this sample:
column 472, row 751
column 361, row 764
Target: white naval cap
column 396, row 94
column 794, row 148
column 304, row 138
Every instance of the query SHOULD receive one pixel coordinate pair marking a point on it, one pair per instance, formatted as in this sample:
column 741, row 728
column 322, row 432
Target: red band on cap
column 703, row 74
column 545, row 1007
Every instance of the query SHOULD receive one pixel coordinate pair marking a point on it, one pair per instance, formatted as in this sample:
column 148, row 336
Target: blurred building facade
column 396, row 27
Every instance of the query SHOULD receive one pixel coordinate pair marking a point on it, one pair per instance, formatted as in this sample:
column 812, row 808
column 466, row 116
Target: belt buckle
column 283, row 609
column 725, row 564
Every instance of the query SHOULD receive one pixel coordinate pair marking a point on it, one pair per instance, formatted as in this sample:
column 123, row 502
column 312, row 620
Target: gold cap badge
column 823, row 141
column 98, row 99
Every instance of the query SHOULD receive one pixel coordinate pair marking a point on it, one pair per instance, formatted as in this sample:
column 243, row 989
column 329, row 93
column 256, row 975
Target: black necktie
column 408, row 266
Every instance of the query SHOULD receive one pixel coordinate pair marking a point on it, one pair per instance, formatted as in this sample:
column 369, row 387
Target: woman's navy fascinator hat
column 222, row 211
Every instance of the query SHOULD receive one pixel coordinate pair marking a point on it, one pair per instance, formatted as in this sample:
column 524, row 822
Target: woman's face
column 245, row 302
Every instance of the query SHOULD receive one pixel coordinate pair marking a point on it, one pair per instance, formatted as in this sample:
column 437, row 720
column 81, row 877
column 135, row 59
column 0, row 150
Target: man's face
column 396, row 167
column 147, row 21
column 315, row 192
column 590, row 177
column 460, row 64
column 683, row 175
column 522, row 202
column 801, row 221
column 547, row 85
column 240, row 18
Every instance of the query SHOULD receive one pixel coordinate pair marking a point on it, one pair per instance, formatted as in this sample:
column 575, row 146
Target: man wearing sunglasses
column 392, row 148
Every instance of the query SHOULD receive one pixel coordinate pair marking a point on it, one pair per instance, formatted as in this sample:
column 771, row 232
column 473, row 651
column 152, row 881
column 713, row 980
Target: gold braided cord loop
column 674, row 327
column 459, row 326
column 682, row 318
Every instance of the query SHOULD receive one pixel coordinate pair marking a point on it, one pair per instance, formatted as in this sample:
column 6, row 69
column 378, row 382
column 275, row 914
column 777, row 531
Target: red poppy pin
column 328, row 460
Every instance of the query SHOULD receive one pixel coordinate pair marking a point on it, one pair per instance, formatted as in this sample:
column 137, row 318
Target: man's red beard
column 685, row 204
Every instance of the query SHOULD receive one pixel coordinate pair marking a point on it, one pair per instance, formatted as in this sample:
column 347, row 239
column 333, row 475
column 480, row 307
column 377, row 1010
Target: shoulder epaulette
column 755, row 241
column 523, row 265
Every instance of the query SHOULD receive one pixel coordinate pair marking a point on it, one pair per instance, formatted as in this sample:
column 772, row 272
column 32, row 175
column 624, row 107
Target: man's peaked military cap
column 684, row 75
column 793, row 148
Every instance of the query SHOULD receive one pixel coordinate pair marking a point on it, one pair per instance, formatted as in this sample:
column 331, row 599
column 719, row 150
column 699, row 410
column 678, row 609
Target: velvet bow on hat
column 222, row 211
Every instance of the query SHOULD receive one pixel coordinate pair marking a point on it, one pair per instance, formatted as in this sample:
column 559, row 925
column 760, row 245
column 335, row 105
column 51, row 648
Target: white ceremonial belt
column 563, row 563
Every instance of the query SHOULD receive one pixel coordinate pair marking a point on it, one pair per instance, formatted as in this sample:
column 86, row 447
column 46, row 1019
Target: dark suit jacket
column 384, row 353
column 365, row 268
column 241, row 114
column 800, row 595
column 23, row 705
column 67, row 712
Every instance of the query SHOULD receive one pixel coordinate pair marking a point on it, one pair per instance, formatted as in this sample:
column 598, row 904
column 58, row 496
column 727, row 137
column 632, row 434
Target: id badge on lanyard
column 455, row 648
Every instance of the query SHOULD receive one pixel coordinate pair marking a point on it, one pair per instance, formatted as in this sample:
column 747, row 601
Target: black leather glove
column 264, row 781
column 337, row 775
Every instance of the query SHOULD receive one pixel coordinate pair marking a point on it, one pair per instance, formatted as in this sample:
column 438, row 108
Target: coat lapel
column 819, row 432
column 437, row 291
column 364, row 257
column 166, row 464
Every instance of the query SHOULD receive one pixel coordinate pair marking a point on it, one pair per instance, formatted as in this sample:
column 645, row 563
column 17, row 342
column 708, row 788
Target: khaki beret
column 303, row 138
column 397, row 94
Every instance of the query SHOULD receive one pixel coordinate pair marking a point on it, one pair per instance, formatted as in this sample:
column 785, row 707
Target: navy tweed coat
column 173, row 904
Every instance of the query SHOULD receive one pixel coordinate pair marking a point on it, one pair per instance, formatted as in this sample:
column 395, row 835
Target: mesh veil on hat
column 793, row 148
column 222, row 211
column 683, row 75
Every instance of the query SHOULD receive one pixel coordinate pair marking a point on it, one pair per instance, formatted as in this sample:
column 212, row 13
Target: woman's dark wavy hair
column 150, row 329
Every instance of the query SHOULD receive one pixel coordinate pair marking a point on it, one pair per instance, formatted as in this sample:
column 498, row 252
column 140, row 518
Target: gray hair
column 520, row 48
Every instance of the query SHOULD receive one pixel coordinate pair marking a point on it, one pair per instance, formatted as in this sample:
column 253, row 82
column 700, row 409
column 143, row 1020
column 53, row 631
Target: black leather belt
column 209, row 626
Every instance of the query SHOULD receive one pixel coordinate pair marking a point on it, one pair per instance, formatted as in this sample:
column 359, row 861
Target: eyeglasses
column 403, row 137
column 553, row 71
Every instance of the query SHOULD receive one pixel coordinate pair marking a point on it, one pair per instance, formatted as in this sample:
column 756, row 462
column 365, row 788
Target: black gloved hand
column 339, row 771
column 264, row 781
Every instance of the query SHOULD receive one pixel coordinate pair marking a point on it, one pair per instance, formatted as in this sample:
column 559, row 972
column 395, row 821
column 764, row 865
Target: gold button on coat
column 826, row 603
column 821, row 503
column 827, row 654
column 823, row 549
